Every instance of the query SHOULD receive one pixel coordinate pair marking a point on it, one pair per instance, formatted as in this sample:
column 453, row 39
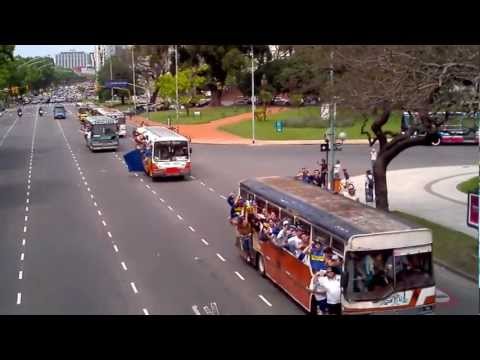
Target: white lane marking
column 141, row 180
column 195, row 310
column 83, row 178
column 223, row 197
column 26, row 218
column 99, row 212
column 28, row 201
column 202, row 183
column 170, row 208
column 85, row 183
column 239, row 275
column 154, row 192
column 147, row 186
column 22, row 256
column 26, row 208
column 162, row 200
column 19, row 298
column 28, row 187
column 134, row 288
column 88, row 189
column 212, row 190
column 179, row 217
column 441, row 297
column 124, row 266
column 221, row 257
column 95, row 204
column 109, row 234
column 81, row 173
column 145, row 311
column 264, row 300
column 192, row 177
column 191, row 229
column 8, row 131
column 23, row 242
column 136, row 175
column 28, row 193
column 20, row 275
column 24, row 229
column 91, row 196
column 115, row 248
column 104, row 223
column 28, row 181
column 205, row 241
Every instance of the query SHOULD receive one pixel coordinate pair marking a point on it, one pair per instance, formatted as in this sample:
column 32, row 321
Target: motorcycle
column 40, row 112
column 19, row 113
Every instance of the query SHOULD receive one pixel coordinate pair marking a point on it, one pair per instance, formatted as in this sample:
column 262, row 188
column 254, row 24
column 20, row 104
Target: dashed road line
column 104, row 223
column 179, row 217
column 134, row 288
column 124, row 266
column 95, row 204
column 115, row 247
column 99, row 212
column 23, row 242
column 205, row 241
column 19, row 298
column 265, row 300
column 162, row 200
column 154, row 192
column 191, row 229
column 212, row 190
column 195, row 310
column 202, row 183
column 223, row 197
column 192, row 177
column 26, row 218
column 170, row 208
column 221, row 257
column 145, row 311
column 22, row 256
column 20, row 275
column 26, row 208
column 109, row 234
column 24, row 229
column 239, row 275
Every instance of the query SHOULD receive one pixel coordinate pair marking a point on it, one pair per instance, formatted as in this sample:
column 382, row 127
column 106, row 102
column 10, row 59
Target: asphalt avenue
column 82, row 235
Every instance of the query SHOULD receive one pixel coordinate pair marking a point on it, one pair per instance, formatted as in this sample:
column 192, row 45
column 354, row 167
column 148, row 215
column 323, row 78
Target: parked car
column 242, row 100
column 203, row 102
column 280, row 101
column 311, row 100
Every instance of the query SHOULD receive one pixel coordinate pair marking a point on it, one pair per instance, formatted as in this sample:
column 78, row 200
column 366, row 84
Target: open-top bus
column 359, row 235
column 167, row 154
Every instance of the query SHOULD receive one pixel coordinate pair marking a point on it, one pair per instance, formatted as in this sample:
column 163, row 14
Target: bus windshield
column 375, row 275
column 171, row 150
column 104, row 130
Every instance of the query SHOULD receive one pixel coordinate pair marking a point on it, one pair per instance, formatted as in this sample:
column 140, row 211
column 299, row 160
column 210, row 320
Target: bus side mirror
column 344, row 280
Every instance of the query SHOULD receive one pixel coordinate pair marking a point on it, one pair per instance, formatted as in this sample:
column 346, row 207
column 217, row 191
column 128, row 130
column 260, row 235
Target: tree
column 421, row 79
column 190, row 79
column 224, row 61
column 120, row 71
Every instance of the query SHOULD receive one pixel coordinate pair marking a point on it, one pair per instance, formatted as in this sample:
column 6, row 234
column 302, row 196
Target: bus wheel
column 260, row 264
column 436, row 142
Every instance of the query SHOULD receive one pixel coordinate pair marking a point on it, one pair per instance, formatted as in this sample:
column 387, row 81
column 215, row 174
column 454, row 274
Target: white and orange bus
column 359, row 235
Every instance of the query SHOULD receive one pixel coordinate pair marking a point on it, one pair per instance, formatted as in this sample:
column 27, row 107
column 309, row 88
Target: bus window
column 273, row 208
column 322, row 235
column 260, row 203
column 304, row 225
column 250, row 196
column 286, row 216
column 338, row 245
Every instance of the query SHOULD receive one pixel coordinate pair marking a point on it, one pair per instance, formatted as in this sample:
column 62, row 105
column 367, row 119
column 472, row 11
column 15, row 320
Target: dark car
column 59, row 112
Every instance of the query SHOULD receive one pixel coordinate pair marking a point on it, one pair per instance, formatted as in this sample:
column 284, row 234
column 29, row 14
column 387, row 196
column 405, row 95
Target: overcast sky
column 44, row 50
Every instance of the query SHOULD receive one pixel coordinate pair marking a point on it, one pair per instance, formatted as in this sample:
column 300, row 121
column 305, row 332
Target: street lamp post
column 332, row 115
column 111, row 77
column 133, row 77
column 176, row 83
column 253, row 98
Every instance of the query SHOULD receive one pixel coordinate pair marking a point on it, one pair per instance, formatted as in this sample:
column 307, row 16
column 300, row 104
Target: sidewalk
column 429, row 193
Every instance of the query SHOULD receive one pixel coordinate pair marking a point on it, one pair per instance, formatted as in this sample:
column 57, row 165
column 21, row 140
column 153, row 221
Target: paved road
column 100, row 240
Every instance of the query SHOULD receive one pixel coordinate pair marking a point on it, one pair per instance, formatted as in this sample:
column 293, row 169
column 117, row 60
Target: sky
column 44, row 50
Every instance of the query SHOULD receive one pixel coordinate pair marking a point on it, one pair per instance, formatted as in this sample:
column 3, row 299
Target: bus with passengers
column 115, row 114
column 165, row 153
column 385, row 264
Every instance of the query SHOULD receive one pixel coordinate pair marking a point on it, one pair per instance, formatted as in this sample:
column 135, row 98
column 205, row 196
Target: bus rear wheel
column 260, row 265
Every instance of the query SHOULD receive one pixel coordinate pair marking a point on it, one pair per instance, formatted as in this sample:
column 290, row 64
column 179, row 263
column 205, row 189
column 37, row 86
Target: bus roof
column 101, row 120
column 161, row 133
column 335, row 213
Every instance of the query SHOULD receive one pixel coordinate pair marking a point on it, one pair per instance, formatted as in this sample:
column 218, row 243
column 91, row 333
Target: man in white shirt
column 373, row 156
column 295, row 242
column 331, row 284
column 319, row 293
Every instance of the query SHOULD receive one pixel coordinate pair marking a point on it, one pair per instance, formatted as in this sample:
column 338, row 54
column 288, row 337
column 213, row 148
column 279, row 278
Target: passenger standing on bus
column 282, row 237
column 331, row 283
column 316, row 256
column 295, row 241
column 319, row 293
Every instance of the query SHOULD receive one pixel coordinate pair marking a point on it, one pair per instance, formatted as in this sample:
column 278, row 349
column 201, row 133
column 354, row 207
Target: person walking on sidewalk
column 337, row 186
column 373, row 156
column 323, row 173
column 369, row 186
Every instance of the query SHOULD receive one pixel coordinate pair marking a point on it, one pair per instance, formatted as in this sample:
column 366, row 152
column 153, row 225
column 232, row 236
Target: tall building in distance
column 73, row 59
column 104, row 52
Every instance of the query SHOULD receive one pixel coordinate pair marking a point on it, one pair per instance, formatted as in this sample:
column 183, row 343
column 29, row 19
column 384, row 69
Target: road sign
column 279, row 125
column 116, row 84
column 472, row 213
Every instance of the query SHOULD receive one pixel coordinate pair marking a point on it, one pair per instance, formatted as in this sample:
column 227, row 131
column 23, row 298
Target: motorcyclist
column 40, row 111
column 19, row 111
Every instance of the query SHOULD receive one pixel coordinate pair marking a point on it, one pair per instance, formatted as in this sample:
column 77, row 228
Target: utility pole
column 332, row 114
column 133, row 76
column 111, row 77
column 253, row 98
column 176, row 83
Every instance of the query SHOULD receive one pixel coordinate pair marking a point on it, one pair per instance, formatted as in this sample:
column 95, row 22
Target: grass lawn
column 470, row 185
column 207, row 114
column 452, row 247
column 299, row 123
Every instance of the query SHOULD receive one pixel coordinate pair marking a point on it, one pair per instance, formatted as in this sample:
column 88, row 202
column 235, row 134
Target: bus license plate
column 172, row 171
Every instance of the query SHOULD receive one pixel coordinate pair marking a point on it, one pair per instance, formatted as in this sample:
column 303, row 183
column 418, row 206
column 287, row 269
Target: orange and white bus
column 361, row 236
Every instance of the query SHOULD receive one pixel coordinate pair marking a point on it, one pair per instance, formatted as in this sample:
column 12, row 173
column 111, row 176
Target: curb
column 455, row 271
column 271, row 142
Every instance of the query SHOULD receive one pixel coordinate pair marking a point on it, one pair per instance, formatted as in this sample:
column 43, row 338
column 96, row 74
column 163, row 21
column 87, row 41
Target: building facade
column 73, row 59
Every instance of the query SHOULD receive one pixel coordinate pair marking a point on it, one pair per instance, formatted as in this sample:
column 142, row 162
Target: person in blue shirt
column 316, row 254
